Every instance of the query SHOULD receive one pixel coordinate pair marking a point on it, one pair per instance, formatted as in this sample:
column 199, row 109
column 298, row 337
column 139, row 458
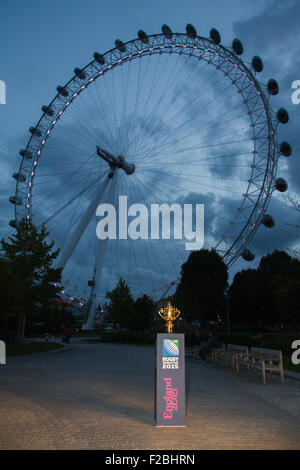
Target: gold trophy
column 169, row 314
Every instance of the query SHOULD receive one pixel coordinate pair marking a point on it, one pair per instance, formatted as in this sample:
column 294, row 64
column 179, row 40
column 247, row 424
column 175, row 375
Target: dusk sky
column 42, row 43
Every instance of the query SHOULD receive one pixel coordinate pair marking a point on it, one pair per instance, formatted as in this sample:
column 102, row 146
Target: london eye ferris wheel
column 169, row 117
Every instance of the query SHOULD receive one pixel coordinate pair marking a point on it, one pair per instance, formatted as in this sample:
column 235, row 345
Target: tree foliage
column 268, row 295
column 143, row 313
column 127, row 313
column 200, row 293
column 121, row 303
column 294, row 203
column 27, row 280
column 250, row 298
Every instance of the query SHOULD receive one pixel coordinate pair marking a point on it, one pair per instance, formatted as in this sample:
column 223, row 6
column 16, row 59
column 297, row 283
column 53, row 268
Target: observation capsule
column 281, row 185
column 273, row 87
column 79, row 73
column 247, row 255
column 268, row 221
column 35, row 131
column 99, row 58
column 62, row 91
column 191, row 31
column 47, row 110
column 215, row 36
column 285, row 149
column 16, row 200
column 120, row 45
column 167, row 32
column 257, row 64
column 282, row 115
column 26, row 154
column 143, row 36
column 237, row 46
column 19, row 177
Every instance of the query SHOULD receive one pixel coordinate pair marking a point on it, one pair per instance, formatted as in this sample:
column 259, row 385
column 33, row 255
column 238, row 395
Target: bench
column 216, row 353
column 196, row 349
column 211, row 353
column 229, row 355
column 266, row 360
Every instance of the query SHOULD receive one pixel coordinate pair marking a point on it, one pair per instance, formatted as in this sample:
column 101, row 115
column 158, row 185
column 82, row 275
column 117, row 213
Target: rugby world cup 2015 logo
column 170, row 347
column 170, row 353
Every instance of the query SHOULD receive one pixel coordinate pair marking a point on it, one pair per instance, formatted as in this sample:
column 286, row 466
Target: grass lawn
column 83, row 333
column 288, row 365
column 129, row 337
column 30, row 348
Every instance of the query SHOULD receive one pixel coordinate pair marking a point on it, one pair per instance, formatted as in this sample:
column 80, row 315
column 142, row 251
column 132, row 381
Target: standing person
column 212, row 343
column 68, row 334
column 47, row 336
column 213, row 340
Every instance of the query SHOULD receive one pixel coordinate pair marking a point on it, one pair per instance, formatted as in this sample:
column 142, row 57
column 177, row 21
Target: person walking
column 212, row 342
column 68, row 334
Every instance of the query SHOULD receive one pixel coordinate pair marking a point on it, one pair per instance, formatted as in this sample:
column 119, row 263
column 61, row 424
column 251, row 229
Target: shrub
column 137, row 337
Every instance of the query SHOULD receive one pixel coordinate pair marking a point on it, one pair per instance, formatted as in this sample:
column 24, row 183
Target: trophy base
column 175, row 426
column 170, row 381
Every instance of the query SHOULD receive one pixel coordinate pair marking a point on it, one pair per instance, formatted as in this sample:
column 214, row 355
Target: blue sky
column 42, row 42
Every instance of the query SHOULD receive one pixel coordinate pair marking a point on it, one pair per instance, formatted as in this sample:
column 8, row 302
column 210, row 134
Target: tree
column 121, row 304
column 28, row 259
column 123, row 310
column 279, row 264
column 294, row 203
column 251, row 299
column 143, row 313
column 200, row 293
column 57, row 316
column 287, row 301
column 268, row 295
column 283, row 274
column 8, row 317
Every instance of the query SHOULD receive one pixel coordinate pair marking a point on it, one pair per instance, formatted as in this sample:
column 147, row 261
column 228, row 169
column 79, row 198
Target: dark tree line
column 200, row 293
column 27, row 278
column 125, row 312
column 268, row 295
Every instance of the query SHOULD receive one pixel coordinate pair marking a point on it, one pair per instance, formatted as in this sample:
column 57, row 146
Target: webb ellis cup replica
column 170, row 373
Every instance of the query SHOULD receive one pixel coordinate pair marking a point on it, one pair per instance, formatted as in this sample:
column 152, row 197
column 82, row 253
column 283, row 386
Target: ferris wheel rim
column 163, row 45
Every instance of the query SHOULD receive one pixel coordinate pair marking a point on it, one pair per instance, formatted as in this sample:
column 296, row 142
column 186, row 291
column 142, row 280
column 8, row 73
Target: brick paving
column 100, row 396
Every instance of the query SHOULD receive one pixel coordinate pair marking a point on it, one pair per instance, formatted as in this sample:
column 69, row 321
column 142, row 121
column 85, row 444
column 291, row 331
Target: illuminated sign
column 170, row 380
column 2, row 352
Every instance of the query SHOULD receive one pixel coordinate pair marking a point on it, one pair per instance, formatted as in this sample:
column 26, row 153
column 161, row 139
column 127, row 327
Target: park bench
column 229, row 355
column 196, row 349
column 266, row 360
column 212, row 354
column 216, row 353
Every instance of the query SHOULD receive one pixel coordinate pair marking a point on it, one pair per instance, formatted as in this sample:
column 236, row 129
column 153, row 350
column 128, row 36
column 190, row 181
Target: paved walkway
column 100, row 396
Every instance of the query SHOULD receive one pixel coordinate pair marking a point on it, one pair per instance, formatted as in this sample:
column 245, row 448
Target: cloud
column 282, row 235
column 275, row 35
column 181, row 167
column 273, row 29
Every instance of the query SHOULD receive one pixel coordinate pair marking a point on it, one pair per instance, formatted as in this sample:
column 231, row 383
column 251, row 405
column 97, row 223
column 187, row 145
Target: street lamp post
column 227, row 309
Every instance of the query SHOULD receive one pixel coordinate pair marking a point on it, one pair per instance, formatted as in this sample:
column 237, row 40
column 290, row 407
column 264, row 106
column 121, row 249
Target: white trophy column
column 100, row 255
column 65, row 255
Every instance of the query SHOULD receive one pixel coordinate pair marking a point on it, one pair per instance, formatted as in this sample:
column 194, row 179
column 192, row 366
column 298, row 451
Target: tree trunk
column 23, row 327
column 19, row 337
